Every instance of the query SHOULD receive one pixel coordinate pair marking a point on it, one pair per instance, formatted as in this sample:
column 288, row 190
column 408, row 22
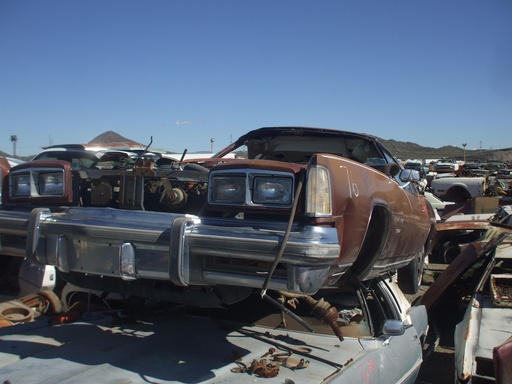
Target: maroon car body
column 300, row 209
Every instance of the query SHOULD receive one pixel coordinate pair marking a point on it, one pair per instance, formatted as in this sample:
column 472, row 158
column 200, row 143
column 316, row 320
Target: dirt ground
column 439, row 368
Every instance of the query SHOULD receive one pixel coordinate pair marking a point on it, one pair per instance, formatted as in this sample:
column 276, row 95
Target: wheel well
column 374, row 240
column 458, row 194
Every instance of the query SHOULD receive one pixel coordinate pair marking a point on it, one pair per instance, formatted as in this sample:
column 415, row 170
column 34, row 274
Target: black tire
column 411, row 276
column 449, row 251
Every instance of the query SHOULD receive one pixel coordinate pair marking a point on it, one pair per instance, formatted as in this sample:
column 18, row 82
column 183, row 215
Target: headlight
column 318, row 199
column 252, row 188
column 51, row 183
column 20, row 184
column 228, row 189
column 273, row 190
column 37, row 183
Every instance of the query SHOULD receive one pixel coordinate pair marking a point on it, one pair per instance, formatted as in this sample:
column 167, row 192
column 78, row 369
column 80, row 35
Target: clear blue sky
column 436, row 72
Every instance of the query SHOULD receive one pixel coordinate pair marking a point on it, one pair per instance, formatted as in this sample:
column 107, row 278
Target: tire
column 411, row 276
column 449, row 251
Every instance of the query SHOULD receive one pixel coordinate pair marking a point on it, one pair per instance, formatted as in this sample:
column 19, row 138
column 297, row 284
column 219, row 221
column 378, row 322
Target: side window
column 381, row 304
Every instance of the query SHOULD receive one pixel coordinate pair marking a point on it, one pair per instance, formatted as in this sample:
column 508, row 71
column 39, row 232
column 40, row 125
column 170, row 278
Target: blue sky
column 436, row 72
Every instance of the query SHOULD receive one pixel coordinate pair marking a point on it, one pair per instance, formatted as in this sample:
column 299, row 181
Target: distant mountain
column 406, row 150
column 111, row 137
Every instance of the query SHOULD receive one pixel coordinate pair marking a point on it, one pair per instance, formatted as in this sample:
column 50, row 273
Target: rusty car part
column 294, row 363
column 453, row 235
column 474, row 251
column 288, row 312
column 267, row 337
column 262, row 368
column 44, row 302
column 501, row 289
column 172, row 197
column 321, row 310
column 16, row 312
column 324, row 311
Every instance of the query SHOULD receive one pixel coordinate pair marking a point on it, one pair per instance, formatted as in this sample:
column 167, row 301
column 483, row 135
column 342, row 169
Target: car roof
column 294, row 131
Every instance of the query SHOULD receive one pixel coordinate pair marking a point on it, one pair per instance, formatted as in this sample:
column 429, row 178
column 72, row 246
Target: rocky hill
column 406, row 150
column 111, row 137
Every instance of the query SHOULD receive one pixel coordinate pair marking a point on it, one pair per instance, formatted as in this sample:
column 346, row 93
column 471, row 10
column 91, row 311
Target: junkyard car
column 458, row 189
column 307, row 209
column 446, row 165
column 6, row 163
column 367, row 333
column 80, row 175
column 472, row 301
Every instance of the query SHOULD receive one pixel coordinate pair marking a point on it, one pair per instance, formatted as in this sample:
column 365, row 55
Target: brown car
column 299, row 210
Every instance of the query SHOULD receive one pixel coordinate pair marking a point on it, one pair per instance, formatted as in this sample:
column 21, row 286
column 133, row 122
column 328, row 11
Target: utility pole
column 14, row 139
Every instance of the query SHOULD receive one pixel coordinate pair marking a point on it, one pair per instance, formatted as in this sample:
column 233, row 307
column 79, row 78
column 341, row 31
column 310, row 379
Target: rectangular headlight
column 318, row 190
column 272, row 190
column 20, row 184
column 51, row 183
column 228, row 189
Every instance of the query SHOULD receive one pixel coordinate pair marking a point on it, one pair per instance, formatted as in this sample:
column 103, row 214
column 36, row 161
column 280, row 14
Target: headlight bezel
column 35, row 186
column 253, row 183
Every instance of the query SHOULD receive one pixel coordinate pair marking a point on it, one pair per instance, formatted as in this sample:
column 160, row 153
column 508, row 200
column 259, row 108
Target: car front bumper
column 183, row 249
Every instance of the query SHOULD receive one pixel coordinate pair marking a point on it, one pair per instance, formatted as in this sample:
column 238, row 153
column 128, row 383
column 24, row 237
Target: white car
column 369, row 333
column 458, row 189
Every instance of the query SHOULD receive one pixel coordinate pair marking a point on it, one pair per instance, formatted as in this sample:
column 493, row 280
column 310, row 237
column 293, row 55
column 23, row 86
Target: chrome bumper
column 13, row 232
column 186, row 250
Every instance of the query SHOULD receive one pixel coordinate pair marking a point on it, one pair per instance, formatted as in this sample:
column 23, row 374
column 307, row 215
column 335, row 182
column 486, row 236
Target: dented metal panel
column 487, row 321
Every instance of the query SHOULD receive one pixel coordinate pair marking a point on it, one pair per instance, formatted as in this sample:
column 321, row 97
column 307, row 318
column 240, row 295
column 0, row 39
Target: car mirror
column 393, row 328
column 410, row 175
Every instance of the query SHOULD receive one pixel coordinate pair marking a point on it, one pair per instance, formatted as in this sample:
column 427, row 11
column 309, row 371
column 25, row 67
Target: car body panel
column 486, row 322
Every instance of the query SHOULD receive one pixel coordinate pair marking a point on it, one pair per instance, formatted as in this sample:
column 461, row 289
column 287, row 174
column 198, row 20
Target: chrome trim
column 182, row 249
column 33, row 174
column 250, row 174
